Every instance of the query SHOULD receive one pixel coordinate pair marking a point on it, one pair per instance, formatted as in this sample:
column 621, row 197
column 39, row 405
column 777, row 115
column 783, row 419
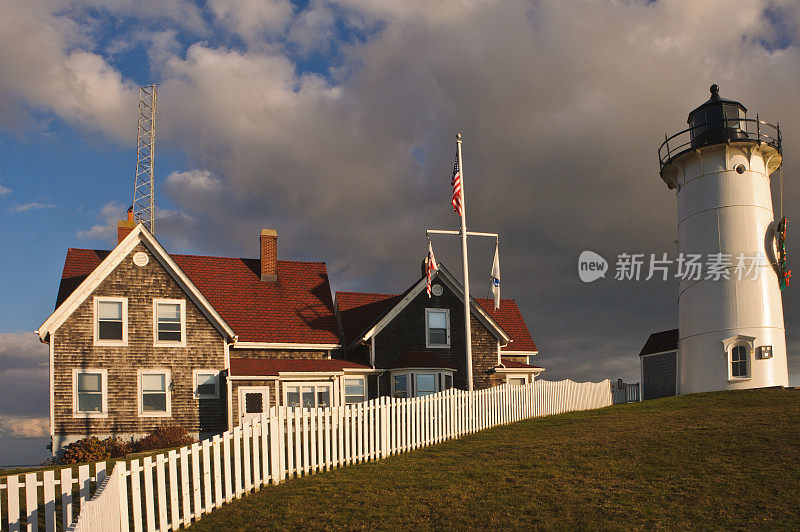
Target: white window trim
column 728, row 344
column 265, row 398
column 363, row 380
column 197, row 372
column 168, row 381
column 169, row 343
column 411, row 375
column 96, row 325
column 308, row 384
column 103, row 390
column 428, row 343
column 510, row 376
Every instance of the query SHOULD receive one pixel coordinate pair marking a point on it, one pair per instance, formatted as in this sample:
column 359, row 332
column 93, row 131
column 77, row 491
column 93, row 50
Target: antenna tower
column 144, row 201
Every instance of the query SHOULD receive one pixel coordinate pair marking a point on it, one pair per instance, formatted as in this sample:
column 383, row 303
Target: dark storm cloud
column 562, row 106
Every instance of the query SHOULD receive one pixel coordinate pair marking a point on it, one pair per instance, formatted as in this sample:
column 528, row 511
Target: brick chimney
column 269, row 255
column 124, row 227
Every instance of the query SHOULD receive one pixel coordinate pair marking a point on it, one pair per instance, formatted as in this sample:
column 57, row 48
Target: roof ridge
column 368, row 293
column 242, row 258
column 204, row 256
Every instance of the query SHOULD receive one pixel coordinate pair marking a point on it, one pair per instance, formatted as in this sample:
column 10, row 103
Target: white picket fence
column 166, row 491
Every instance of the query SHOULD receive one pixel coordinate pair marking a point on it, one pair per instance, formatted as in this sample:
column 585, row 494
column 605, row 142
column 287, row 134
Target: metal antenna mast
column 144, row 201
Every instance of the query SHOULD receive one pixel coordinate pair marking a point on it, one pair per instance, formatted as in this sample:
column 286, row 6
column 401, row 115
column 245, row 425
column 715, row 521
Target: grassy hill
column 727, row 460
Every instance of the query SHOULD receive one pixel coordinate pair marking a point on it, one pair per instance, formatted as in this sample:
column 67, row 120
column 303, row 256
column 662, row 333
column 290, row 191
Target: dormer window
column 437, row 327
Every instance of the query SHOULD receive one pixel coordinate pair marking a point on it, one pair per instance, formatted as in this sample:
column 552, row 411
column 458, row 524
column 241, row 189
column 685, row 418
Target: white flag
column 495, row 277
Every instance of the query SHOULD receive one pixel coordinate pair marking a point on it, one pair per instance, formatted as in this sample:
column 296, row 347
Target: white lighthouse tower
column 730, row 331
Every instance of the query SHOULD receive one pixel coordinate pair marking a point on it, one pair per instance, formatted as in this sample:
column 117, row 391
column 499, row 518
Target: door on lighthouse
column 253, row 401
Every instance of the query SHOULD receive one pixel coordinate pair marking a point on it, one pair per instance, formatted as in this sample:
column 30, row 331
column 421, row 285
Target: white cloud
column 30, row 206
column 194, row 182
column 21, row 350
column 21, row 427
column 313, row 28
column 184, row 14
column 52, row 69
column 24, row 374
column 111, row 213
column 4, row 190
column 252, row 19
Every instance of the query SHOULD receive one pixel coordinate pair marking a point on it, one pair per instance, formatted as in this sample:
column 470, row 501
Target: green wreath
column 784, row 273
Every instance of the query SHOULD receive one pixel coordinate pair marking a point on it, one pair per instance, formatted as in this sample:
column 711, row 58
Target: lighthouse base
column 732, row 360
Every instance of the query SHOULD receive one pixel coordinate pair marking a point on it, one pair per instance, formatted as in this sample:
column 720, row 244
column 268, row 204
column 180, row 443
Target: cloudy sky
column 333, row 121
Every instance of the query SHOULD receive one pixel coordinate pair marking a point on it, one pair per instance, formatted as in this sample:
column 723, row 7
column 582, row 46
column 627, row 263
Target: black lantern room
column 717, row 121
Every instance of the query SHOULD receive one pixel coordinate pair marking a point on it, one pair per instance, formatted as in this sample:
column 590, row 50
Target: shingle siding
column 74, row 348
column 406, row 332
column 658, row 375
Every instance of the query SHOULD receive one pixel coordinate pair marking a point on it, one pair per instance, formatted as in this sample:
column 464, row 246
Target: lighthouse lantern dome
column 717, row 121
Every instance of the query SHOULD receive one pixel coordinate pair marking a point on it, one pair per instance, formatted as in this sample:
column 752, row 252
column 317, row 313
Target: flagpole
column 465, row 265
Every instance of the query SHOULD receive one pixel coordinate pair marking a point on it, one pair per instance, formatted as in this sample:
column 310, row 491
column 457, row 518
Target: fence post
column 237, row 461
column 49, row 481
column 120, row 470
column 136, row 497
column 162, row 492
column 256, row 461
column 274, row 446
column 384, row 428
column 173, row 488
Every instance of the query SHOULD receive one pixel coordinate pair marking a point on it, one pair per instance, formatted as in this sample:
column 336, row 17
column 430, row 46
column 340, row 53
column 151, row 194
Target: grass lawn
column 726, row 460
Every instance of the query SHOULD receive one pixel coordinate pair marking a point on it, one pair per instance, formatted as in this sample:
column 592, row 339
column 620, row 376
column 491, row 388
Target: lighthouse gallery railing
column 717, row 131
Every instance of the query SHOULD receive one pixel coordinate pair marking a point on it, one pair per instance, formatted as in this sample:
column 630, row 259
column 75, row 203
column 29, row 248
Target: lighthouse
column 730, row 321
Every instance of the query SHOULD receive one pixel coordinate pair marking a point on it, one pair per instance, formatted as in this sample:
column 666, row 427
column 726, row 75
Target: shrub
column 117, row 447
column 162, row 438
column 93, row 449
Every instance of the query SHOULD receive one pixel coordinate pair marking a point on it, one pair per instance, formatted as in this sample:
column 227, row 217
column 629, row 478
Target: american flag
column 430, row 266
column 456, row 202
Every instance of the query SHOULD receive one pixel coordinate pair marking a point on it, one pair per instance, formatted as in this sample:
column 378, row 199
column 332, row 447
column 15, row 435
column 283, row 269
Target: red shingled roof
column 509, row 318
column 660, row 342
column 267, row 367
column 297, row 308
column 514, row 364
column 421, row 359
column 360, row 310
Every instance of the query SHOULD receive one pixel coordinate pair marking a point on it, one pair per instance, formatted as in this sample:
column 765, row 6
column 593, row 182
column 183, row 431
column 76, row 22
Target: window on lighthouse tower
column 739, row 361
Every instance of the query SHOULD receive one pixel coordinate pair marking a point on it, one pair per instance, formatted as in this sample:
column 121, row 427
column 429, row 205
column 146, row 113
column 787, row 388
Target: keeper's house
column 141, row 338
column 418, row 342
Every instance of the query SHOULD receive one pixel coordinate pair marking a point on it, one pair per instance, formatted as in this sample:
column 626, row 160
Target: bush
column 117, row 447
column 93, row 449
column 163, row 438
